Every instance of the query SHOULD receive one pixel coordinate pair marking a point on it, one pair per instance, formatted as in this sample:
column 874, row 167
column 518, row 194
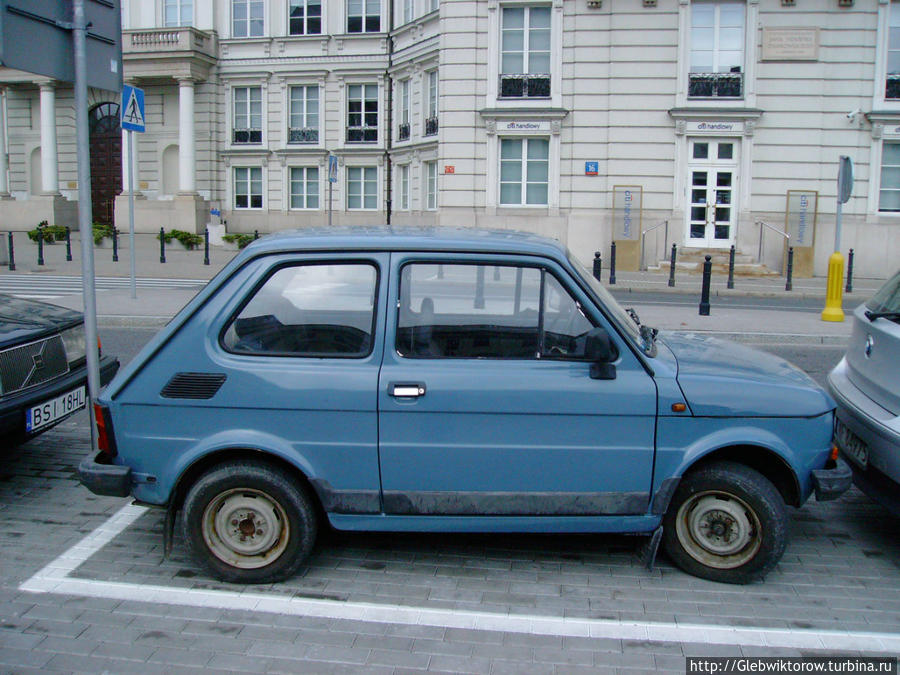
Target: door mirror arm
column 601, row 352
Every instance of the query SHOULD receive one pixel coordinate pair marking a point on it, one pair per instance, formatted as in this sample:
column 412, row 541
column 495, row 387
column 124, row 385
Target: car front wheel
column 247, row 522
column 727, row 523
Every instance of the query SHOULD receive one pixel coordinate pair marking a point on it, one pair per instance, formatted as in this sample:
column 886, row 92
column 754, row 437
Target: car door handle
column 407, row 390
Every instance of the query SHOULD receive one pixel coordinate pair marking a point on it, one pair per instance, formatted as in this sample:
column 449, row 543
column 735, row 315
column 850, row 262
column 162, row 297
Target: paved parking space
column 404, row 603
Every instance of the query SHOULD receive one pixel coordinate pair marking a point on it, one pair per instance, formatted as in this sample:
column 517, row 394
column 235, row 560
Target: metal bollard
column 849, row 287
column 440, row 271
column 162, row 245
column 255, row 235
column 68, row 244
column 730, row 283
column 672, row 267
column 598, row 266
column 12, row 254
column 40, row 246
column 704, row 293
column 612, row 264
column 496, row 273
column 479, row 287
column 206, row 246
column 115, row 239
column 790, row 270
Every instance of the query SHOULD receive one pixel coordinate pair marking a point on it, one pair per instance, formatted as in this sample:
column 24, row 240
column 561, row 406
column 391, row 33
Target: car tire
column 249, row 523
column 726, row 522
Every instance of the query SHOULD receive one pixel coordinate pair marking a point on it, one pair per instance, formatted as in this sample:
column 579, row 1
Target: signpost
column 332, row 179
column 834, row 286
column 132, row 120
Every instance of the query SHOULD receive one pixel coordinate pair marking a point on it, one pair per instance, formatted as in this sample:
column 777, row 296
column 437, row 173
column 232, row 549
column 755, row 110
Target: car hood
column 725, row 379
column 21, row 320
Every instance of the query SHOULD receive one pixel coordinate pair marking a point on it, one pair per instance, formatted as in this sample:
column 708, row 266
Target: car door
column 486, row 404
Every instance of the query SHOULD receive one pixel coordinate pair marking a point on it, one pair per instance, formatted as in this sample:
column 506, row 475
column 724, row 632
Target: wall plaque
column 790, row 44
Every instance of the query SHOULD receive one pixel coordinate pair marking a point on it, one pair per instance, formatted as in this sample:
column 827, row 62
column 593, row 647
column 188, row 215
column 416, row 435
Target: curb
column 854, row 298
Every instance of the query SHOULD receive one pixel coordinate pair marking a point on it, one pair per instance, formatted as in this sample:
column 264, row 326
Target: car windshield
column 619, row 315
column 886, row 302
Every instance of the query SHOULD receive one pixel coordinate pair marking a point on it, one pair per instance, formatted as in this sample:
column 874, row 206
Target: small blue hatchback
column 453, row 381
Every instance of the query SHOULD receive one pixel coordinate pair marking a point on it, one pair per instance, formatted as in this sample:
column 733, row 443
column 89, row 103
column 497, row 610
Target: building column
column 186, row 153
column 49, row 160
column 4, row 158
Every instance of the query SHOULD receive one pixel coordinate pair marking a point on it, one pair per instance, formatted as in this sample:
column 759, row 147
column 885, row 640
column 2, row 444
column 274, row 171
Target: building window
column 403, row 131
column 407, row 11
column 431, row 105
column 362, row 113
column 433, row 5
column 525, row 52
column 247, row 18
column 178, row 13
column 362, row 187
column 404, row 187
column 305, row 17
column 431, row 186
column 717, row 50
column 524, row 171
column 304, row 115
column 892, row 86
column 248, row 189
column 247, row 115
column 363, row 16
column 889, row 195
column 304, row 187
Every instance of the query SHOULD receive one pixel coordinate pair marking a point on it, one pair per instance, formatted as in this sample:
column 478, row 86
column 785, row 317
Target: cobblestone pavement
column 835, row 591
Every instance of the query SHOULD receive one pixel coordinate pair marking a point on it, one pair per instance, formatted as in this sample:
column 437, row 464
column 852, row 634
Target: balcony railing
column 715, row 85
column 892, row 86
column 246, row 136
column 303, row 135
column 161, row 40
column 431, row 126
column 525, row 85
column 362, row 134
column 403, row 132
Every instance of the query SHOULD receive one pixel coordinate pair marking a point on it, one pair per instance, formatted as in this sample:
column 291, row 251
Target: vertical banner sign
column 802, row 209
column 627, row 206
column 332, row 169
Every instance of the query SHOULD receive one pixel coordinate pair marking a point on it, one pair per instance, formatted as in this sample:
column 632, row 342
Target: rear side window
column 887, row 299
column 312, row 310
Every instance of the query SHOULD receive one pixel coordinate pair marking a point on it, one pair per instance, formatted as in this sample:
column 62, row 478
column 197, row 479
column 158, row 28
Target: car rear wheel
column 726, row 522
column 248, row 522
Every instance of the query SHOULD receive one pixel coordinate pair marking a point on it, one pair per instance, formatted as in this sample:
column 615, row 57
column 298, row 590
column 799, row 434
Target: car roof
column 388, row 238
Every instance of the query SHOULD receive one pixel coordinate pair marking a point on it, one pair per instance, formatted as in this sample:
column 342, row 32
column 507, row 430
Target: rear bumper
column 108, row 480
column 832, row 483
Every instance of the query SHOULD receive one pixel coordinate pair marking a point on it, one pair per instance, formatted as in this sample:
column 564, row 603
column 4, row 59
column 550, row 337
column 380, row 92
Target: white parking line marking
column 54, row 578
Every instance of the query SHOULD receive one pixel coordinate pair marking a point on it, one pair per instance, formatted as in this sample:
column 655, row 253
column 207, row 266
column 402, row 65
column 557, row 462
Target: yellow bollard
column 834, row 289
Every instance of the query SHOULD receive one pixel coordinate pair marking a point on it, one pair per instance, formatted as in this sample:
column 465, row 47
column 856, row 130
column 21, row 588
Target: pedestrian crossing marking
column 133, row 109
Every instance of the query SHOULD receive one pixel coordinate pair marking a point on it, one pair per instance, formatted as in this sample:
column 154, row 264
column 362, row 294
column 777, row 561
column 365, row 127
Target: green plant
column 242, row 240
column 101, row 231
column 187, row 239
column 49, row 233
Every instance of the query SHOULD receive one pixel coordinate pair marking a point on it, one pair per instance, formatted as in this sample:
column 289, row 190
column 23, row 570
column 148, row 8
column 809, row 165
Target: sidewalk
column 642, row 290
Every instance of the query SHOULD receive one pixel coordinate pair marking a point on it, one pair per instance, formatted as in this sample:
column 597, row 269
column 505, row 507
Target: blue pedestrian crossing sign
column 132, row 108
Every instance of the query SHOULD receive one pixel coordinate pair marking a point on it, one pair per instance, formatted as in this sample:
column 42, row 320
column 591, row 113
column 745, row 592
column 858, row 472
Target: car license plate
column 55, row 409
column 851, row 444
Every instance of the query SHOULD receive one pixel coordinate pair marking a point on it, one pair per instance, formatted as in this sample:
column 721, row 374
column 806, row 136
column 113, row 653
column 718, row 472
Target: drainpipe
column 388, row 139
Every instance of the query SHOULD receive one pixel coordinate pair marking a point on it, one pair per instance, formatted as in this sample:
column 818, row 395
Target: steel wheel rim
column 718, row 529
column 245, row 528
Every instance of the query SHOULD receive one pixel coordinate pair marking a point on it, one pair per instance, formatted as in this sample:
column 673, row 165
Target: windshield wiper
column 871, row 316
column 633, row 315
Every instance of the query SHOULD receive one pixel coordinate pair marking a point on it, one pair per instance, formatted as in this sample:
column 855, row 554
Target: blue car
column 453, row 381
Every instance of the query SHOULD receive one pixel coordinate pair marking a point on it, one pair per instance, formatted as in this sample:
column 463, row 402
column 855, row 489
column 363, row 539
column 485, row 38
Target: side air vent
column 193, row 385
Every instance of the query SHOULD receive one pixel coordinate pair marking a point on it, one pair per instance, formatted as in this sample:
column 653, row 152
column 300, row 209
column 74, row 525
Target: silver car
column 866, row 386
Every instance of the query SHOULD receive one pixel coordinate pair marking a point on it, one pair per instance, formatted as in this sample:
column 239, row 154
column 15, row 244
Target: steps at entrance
column 690, row 261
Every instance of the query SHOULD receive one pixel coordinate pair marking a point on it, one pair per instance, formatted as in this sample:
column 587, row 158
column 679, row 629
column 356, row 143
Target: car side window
column 487, row 311
column 312, row 310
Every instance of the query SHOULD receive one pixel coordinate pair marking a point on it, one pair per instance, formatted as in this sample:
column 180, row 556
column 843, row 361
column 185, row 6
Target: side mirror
column 601, row 352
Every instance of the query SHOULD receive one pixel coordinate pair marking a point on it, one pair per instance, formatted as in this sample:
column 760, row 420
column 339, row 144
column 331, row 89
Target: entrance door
column 712, row 192
column 106, row 160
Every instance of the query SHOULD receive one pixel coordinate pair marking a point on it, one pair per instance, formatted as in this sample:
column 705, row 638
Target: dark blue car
column 453, row 381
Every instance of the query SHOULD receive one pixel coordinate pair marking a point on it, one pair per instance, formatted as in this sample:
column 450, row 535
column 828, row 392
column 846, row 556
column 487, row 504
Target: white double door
column 712, row 192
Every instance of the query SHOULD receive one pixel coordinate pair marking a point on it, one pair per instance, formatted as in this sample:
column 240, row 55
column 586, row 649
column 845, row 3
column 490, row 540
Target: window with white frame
column 362, row 113
column 524, row 171
column 431, row 186
column 303, row 123
column 889, row 194
column 403, row 129
column 248, row 188
column 178, row 13
column 304, row 187
column 404, row 187
column 362, row 187
column 363, row 16
column 247, row 18
column 892, row 85
column 433, row 5
column 717, row 50
column 247, row 121
column 408, row 11
column 305, row 17
column 431, row 103
column 525, row 52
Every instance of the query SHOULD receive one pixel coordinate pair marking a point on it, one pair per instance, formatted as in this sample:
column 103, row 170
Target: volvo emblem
column 870, row 342
column 38, row 360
